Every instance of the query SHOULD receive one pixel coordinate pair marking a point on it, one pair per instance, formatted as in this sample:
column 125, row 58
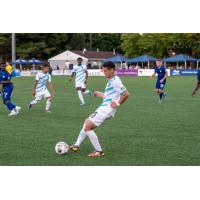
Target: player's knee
column 87, row 126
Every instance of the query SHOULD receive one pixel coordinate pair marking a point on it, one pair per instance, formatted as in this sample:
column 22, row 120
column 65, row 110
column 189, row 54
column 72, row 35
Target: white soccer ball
column 61, row 148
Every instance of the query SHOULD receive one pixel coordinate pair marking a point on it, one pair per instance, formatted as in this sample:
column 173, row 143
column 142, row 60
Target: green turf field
column 143, row 131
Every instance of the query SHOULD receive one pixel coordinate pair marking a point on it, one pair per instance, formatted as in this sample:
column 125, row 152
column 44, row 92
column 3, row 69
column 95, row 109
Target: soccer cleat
column 29, row 106
column 18, row 108
column 82, row 104
column 13, row 112
column 96, row 154
column 48, row 111
column 74, row 148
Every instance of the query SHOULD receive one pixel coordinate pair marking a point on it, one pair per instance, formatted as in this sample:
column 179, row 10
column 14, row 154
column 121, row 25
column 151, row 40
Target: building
column 93, row 59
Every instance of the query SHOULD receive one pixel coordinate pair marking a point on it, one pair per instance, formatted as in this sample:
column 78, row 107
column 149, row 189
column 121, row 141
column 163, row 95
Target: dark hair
column 46, row 65
column 79, row 58
column 3, row 64
column 109, row 65
column 158, row 60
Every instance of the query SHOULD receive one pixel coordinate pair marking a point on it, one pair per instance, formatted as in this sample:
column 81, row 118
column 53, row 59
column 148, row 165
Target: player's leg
column 38, row 97
column 89, row 130
column 162, row 94
column 7, row 101
column 196, row 88
column 47, row 95
column 84, row 91
column 96, row 119
column 80, row 95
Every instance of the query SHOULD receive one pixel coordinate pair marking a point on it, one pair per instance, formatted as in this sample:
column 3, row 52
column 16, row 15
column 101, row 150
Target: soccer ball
column 61, row 148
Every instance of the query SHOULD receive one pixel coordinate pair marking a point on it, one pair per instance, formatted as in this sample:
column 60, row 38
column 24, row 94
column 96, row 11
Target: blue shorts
column 160, row 85
column 7, row 92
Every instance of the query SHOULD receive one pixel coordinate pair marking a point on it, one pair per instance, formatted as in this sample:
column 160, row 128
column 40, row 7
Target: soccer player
column 40, row 89
column 114, row 95
column 161, row 79
column 7, row 89
column 81, row 73
column 198, row 84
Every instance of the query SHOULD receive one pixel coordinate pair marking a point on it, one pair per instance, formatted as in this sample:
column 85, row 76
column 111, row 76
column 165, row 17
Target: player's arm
column 34, row 87
column 164, row 78
column 196, row 88
column 72, row 76
column 98, row 94
column 50, row 85
column 153, row 75
column 8, row 81
column 122, row 99
column 86, row 72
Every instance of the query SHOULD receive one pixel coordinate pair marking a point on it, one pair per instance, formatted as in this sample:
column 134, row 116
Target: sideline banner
column 184, row 72
column 122, row 72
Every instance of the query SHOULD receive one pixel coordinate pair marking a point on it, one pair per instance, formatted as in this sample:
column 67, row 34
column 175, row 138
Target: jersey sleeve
column 37, row 77
column 85, row 67
column 74, row 69
column 49, row 80
column 119, row 87
column 8, row 76
column 164, row 70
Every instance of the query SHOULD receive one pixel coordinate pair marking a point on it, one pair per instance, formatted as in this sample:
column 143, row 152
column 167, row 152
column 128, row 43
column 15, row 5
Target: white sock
column 86, row 92
column 34, row 102
column 80, row 96
column 81, row 137
column 48, row 104
column 94, row 140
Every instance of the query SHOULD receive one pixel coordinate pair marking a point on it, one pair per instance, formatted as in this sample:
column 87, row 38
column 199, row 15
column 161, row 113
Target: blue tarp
column 20, row 62
column 35, row 61
column 180, row 58
column 143, row 58
column 116, row 59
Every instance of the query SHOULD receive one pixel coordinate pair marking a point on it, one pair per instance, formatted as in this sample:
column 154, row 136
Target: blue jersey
column 161, row 71
column 5, row 76
column 198, row 75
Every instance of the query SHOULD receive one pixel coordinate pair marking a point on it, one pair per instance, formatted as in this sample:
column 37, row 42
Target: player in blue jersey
column 161, row 79
column 7, row 89
column 198, row 84
column 114, row 95
column 81, row 75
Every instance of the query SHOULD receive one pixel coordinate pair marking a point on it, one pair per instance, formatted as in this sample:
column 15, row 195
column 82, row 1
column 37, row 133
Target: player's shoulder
column 163, row 67
column 116, row 80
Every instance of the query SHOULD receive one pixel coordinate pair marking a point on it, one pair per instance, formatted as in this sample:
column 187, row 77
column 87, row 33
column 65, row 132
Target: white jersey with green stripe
column 113, row 91
column 80, row 73
column 42, row 79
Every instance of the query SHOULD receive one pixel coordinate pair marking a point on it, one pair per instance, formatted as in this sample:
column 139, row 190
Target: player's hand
column 193, row 94
column 151, row 77
column 161, row 81
column 113, row 105
column 85, row 82
column 33, row 93
column 96, row 94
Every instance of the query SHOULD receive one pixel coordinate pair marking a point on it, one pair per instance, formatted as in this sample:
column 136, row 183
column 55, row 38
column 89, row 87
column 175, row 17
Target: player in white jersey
column 40, row 88
column 81, row 74
column 115, row 94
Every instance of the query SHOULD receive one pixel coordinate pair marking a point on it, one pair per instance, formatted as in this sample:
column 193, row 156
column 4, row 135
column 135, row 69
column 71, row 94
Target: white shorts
column 43, row 94
column 99, row 116
column 80, row 85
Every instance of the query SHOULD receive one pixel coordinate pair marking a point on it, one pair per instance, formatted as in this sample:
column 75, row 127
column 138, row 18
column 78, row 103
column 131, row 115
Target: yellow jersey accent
column 9, row 69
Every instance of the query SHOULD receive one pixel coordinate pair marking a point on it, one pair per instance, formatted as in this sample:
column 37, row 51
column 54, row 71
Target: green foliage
column 160, row 44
